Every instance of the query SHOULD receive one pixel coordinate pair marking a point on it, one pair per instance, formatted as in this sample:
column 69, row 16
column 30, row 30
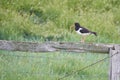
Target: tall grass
column 51, row 20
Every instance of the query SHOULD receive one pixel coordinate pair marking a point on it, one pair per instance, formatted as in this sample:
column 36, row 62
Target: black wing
column 84, row 30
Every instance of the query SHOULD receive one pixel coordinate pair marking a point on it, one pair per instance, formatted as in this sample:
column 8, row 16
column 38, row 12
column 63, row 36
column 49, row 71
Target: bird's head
column 74, row 26
column 77, row 25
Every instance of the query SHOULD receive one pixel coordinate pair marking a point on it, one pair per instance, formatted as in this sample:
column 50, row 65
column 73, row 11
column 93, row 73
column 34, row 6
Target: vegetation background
column 50, row 20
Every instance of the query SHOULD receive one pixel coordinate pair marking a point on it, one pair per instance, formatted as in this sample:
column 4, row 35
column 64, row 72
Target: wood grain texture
column 115, row 63
column 54, row 46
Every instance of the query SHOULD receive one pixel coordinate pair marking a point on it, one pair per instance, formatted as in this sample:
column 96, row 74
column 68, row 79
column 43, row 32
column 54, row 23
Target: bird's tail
column 94, row 33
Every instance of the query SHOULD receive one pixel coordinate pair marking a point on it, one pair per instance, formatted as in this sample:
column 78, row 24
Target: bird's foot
column 82, row 41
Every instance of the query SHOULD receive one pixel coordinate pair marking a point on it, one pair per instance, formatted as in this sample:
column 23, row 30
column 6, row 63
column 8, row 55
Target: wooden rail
column 54, row 46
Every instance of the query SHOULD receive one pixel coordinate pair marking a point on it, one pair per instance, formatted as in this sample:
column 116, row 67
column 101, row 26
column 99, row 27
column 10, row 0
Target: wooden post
column 115, row 63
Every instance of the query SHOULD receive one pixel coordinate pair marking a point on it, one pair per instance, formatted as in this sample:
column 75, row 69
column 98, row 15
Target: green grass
column 27, row 19
column 50, row 20
column 51, row 66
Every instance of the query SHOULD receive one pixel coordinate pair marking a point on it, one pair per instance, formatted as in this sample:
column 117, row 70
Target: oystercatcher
column 83, row 31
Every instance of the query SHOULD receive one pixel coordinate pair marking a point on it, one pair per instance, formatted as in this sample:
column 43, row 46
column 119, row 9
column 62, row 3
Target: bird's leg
column 83, row 39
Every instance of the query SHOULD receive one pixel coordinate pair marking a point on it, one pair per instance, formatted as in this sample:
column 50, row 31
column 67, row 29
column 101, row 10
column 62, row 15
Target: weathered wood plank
column 54, row 46
column 115, row 63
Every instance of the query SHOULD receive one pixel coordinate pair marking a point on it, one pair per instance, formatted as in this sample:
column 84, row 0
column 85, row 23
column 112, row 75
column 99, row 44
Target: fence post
column 114, row 63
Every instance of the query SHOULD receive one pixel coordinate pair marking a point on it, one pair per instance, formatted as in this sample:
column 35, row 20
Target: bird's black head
column 77, row 26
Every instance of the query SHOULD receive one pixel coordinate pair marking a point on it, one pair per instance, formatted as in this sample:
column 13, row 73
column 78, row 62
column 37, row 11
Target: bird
column 82, row 31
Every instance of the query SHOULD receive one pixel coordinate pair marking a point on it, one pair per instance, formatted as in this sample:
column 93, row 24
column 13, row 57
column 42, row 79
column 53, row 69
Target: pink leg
column 83, row 39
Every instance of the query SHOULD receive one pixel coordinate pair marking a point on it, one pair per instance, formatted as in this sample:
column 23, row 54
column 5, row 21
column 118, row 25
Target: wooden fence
column 112, row 49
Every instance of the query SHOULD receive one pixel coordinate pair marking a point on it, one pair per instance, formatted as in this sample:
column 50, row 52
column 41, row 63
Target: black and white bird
column 83, row 31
